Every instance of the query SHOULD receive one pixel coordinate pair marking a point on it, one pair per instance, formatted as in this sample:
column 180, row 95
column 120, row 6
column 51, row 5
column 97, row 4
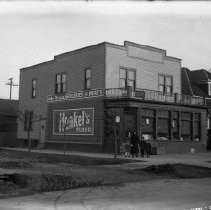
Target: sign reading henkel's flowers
column 73, row 121
column 75, row 95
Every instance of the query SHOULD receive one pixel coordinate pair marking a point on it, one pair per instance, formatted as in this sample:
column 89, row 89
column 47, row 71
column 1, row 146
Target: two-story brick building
column 85, row 90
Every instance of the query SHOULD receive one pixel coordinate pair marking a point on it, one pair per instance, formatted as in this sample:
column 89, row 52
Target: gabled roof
column 197, row 90
column 193, row 81
column 186, row 85
column 200, row 75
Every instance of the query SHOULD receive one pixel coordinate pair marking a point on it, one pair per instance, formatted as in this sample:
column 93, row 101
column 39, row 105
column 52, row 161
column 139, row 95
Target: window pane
column 58, row 79
column 175, row 125
column 169, row 81
column 161, row 88
column 163, row 126
column 63, row 78
column 148, row 112
column 131, row 83
column 168, row 89
column 123, row 73
column 197, row 116
column 148, row 125
column 185, row 127
column 64, row 87
column 209, row 85
column 88, row 73
column 186, row 115
column 33, row 93
column 161, row 79
column 163, row 113
column 122, row 83
column 131, row 75
column 58, row 88
column 34, row 82
column 175, row 114
column 88, row 83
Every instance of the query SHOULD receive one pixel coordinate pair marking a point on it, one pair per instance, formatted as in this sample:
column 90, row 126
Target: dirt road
column 171, row 194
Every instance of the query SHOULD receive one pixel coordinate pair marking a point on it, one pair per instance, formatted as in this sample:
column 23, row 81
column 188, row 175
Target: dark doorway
column 129, row 123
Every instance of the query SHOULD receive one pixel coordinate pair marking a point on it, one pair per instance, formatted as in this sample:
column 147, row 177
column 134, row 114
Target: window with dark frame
column 197, row 127
column 209, row 88
column 165, row 83
column 127, row 78
column 34, row 88
column 163, row 125
column 61, row 83
column 87, row 79
column 148, row 123
column 186, row 126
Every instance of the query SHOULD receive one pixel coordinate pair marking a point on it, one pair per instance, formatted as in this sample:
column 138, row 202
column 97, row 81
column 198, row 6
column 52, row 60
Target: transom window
column 87, row 79
column 165, row 83
column 61, row 81
column 34, row 88
column 127, row 78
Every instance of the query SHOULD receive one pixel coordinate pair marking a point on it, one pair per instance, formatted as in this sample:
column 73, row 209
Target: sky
column 34, row 32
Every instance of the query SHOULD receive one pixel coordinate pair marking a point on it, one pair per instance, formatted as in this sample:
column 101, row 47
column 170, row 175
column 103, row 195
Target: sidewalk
column 200, row 159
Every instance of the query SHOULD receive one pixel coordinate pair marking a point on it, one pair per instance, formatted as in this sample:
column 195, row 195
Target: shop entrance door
column 130, row 122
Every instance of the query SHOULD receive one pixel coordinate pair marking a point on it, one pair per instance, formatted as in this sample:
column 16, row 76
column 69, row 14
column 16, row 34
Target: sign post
column 117, row 120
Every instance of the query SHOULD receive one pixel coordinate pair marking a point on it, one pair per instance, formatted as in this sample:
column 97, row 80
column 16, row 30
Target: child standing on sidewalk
column 127, row 148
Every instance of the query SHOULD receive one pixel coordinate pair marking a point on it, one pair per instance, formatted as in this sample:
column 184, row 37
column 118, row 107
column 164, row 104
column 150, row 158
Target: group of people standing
column 133, row 145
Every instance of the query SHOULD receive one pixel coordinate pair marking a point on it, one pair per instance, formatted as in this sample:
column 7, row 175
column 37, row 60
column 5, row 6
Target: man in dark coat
column 142, row 144
column 134, row 144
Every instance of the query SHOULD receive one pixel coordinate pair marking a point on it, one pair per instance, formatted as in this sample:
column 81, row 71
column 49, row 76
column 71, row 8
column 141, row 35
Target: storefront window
column 148, row 124
column 163, row 125
column 163, row 129
column 197, row 127
column 175, row 125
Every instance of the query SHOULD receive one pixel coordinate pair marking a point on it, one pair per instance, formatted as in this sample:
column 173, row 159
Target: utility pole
column 11, row 84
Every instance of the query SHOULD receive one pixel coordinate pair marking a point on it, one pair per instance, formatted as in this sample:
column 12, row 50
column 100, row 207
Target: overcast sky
column 33, row 32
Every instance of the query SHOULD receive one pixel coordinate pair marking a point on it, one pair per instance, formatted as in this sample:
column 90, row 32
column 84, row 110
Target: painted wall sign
column 75, row 95
column 73, row 121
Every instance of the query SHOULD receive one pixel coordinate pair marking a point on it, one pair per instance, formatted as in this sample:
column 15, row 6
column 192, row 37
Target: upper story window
column 209, row 88
column 127, row 78
column 165, row 83
column 87, row 79
column 61, row 81
column 34, row 88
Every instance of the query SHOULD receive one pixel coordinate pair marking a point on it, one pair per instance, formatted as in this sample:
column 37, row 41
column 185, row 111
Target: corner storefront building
column 91, row 96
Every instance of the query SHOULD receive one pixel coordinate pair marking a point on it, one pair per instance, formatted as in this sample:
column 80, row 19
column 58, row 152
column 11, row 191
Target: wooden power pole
column 11, row 84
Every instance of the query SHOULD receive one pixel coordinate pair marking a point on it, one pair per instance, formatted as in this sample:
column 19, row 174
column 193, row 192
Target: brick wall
column 95, row 103
column 146, row 70
column 73, row 64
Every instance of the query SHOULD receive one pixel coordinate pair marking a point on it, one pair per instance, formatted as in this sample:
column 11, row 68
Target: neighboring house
column 198, row 83
column 87, row 89
column 8, row 122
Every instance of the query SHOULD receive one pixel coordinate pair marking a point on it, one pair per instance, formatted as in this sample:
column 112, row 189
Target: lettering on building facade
column 73, row 121
column 75, row 95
